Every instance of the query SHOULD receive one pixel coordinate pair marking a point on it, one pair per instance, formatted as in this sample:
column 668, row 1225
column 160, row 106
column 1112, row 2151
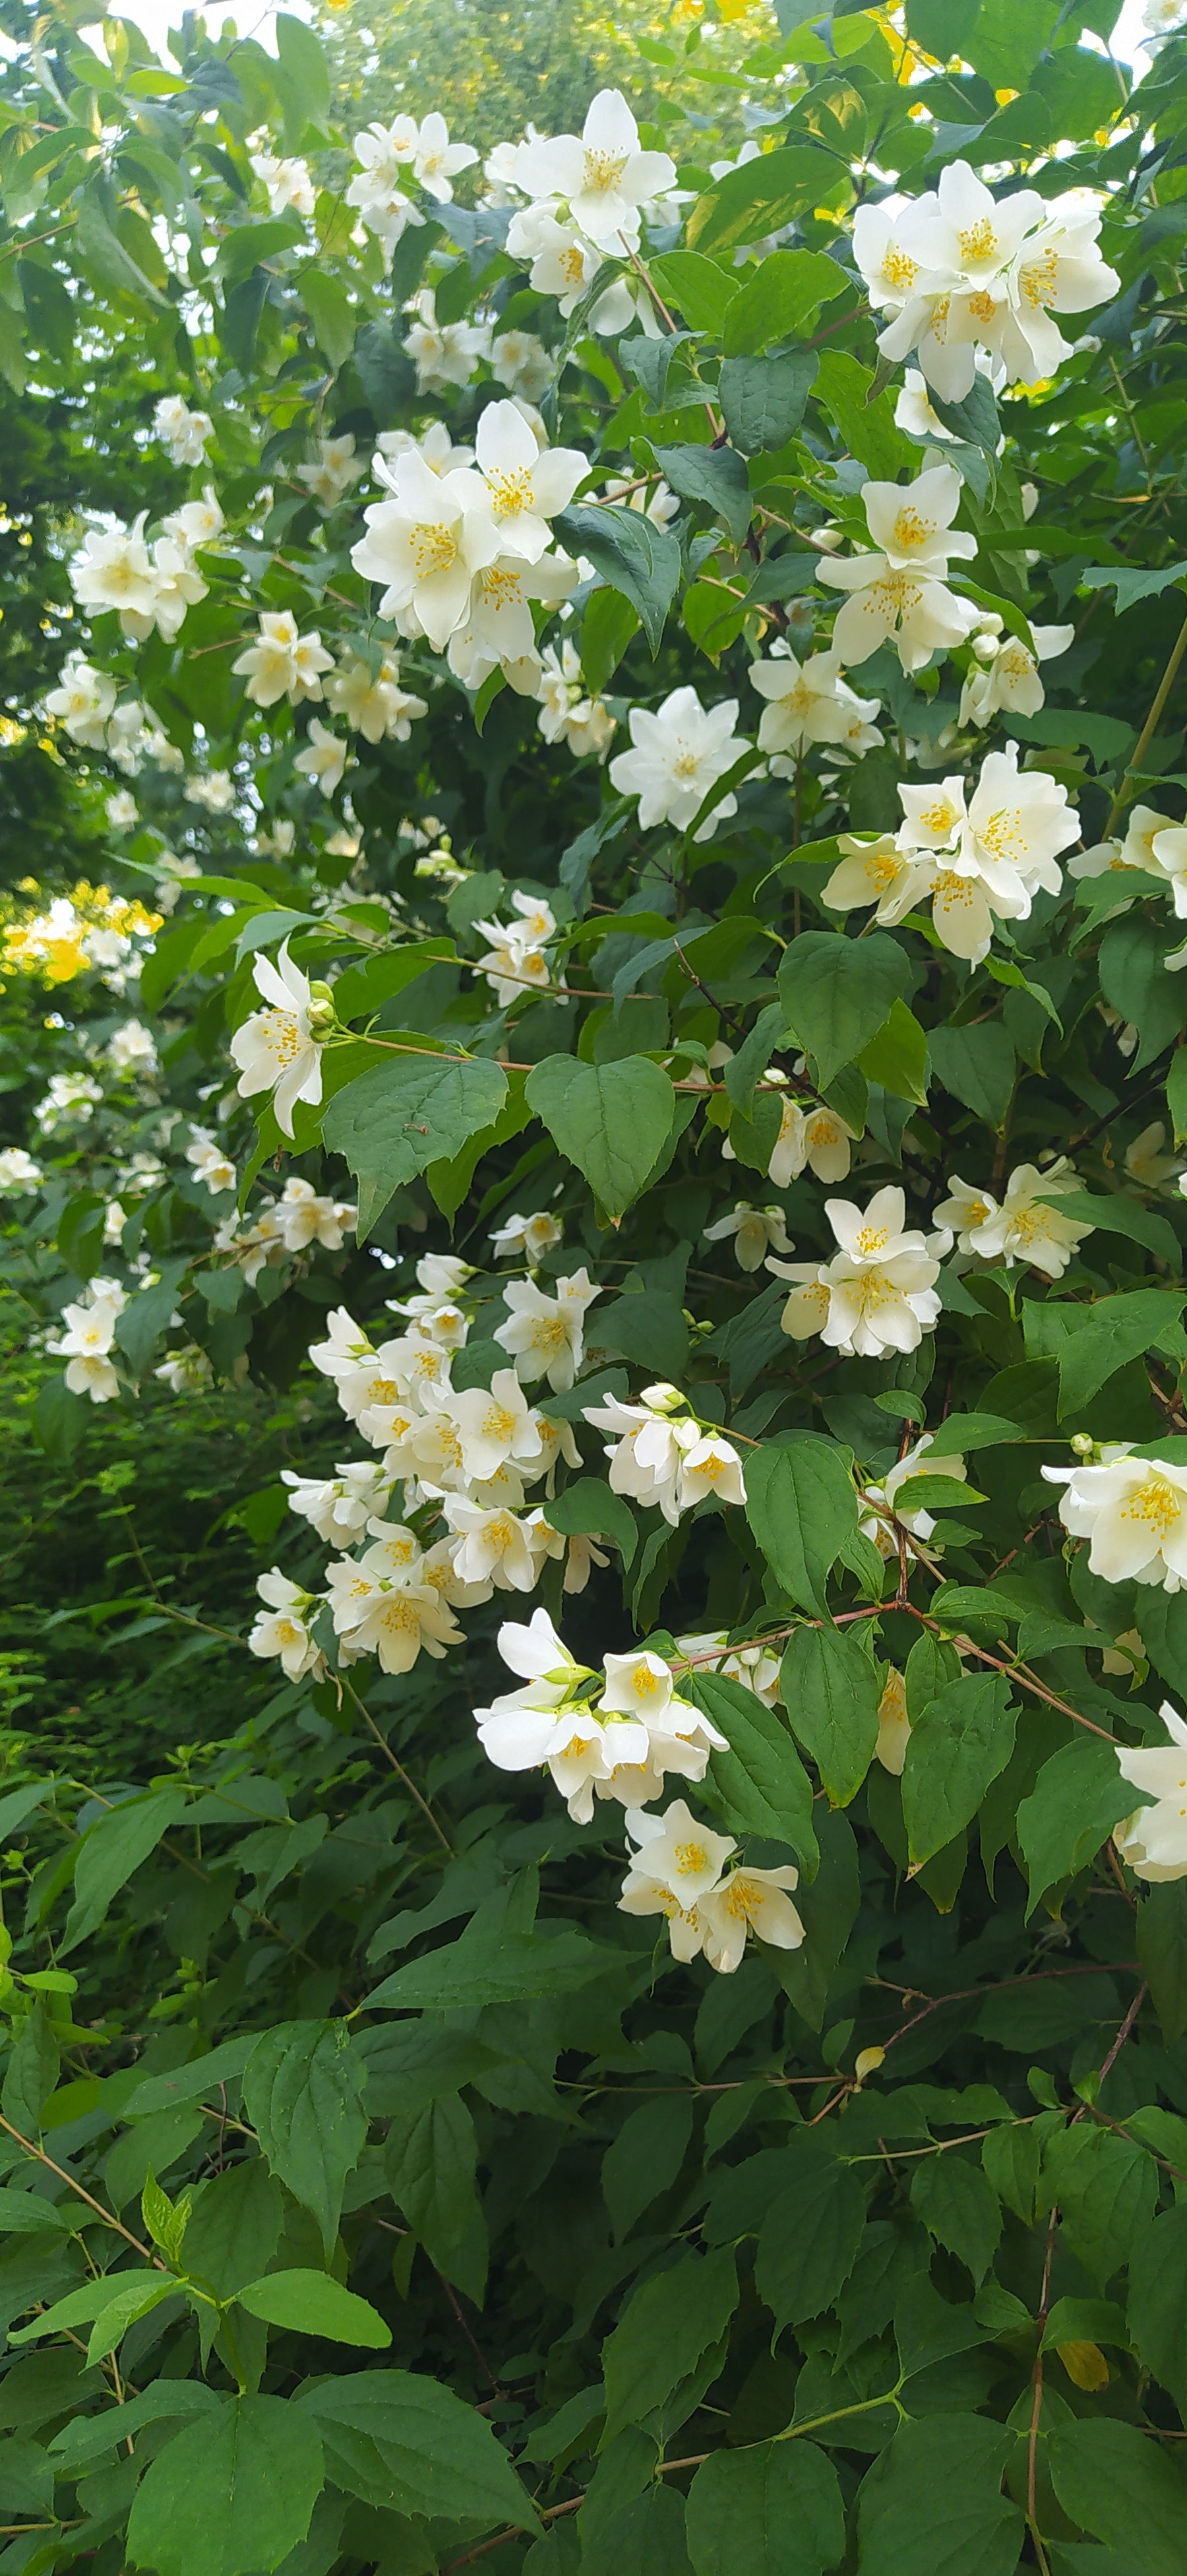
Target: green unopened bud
column 1083, row 1443
column 322, row 1014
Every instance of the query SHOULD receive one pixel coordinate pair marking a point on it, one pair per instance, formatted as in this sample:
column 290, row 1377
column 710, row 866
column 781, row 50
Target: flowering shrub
column 640, row 980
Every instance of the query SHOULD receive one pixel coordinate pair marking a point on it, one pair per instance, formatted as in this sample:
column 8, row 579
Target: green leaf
column 761, row 1781
column 1106, row 2188
column 763, row 399
column 802, row 1507
column 1131, row 582
column 701, row 290
column 828, row 1910
column 111, row 1850
column 867, row 426
column 235, row 2227
column 1119, row 1215
column 139, row 1327
column 959, row 2207
column 103, row 254
column 302, row 2090
column 631, row 554
column 1114, row 2482
column 611, row 1120
column 933, row 2502
column 1106, row 1335
column 1077, row 1799
column 808, row 2243
column 713, row 476
column 1158, row 2300
column 778, row 299
column 959, row 1742
column 588, row 1509
column 897, row 1056
column 405, row 2444
column 830, row 1689
column 512, row 1968
column 644, row 2159
column 837, row 993
column 134, row 2298
column 335, row 319
column 1162, row 1949
column 761, row 197
column 312, row 2303
column 771, row 2509
column 231, row 2495
column 31, row 2072
column 667, row 2325
column 1010, row 2156
column 643, row 2538
column 394, row 1121
column 606, row 630
column 430, row 2157
column 303, row 61
column 1133, row 977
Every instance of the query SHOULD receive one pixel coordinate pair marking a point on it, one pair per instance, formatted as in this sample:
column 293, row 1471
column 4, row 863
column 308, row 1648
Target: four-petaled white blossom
column 282, row 663
column 276, row 1049
column 1025, row 1227
column 679, row 753
column 603, row 175
column 545, row 1336
column 900, row 591
column 1133, row 1512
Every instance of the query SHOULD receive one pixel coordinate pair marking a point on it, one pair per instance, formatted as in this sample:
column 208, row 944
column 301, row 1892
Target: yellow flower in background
column 87, row 927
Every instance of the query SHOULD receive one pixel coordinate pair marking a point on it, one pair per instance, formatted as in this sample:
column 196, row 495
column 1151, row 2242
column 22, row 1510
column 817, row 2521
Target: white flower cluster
column 662, row 1454
column 463, row 552
column 588, row 196
column 87, row 1341
column 567, row 711
column 808, row 703
column 980, row 859
column 1025, row 1227
column 72, row 1098
column 878, row 1292
column 84, row 704
column 19, row 1173
column 959, row 270
column 392, row 156
column 149, row 589
column 516, row 961
column 299, row 1218
column 186, row 433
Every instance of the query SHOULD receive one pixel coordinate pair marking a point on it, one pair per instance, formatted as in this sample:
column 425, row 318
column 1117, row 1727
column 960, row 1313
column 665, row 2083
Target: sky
column 157, row 16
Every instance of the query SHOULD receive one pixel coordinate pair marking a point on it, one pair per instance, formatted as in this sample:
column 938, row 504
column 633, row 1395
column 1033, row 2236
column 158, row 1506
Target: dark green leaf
column 667, row 2325
column 837, row 993
column 611, row 1120
column 631, row 554
column 763, row 399
column 401, row 2441
column 302, row 2090
column 1114, row 2482
column 405, row 1114
column 831, row 1691
column 801, row 1506
column 231, row 2495
column 809, row 2239
column 771, row 2509
column 959, row 1742
column 934, row 2502
column 761, row 1781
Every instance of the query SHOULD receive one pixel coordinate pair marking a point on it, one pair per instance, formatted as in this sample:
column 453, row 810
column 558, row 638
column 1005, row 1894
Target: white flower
column 899, row 591
column 197, row 523
column 185, row 432
column 526, row 1238
column 679, row 754
column 384, row 153
column 516, row 957
column 184, row 1369
column 324, row 758
column 749, row 1900
column 499, row 631
column 304, row 1217
column 82, row 702
column 877, row 1293
column 494, row 1546
column 334, row 471
column 524, row 485
column 815, row 1138
column 216, row 791
column 894, row 1725
column 132, row 1050
column 646, row 1457
column 602, row 175
column 282, row 663
column 878, row 872
column 494, row 1427
column 992, row 858
column 1133, row 1512
column 807, row 703
column 346, row 1347
column 71, row 1099
column 1024, row 1227
column 1145, row 1162
column 1161, row 19
column 522, row 363
column 372, row 702
column 878, row 1523
column 567, row 712
column 288, row 184
column 545, row 1335
column 754, row 1232
column 426, row 544
column 212, row 1165
column 122, row 811
column 1059, row 269
column 677, row 1861
column 708, row 1465
column 444, row 353
column 391, row 1614
column 339, row 1507
column 275, row 1049
column 435, row 445
column 562, row 264
column 114, row 569
column 18, row 1171
column 1154, row 1839
column 436, row 161
column 1011, row 679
